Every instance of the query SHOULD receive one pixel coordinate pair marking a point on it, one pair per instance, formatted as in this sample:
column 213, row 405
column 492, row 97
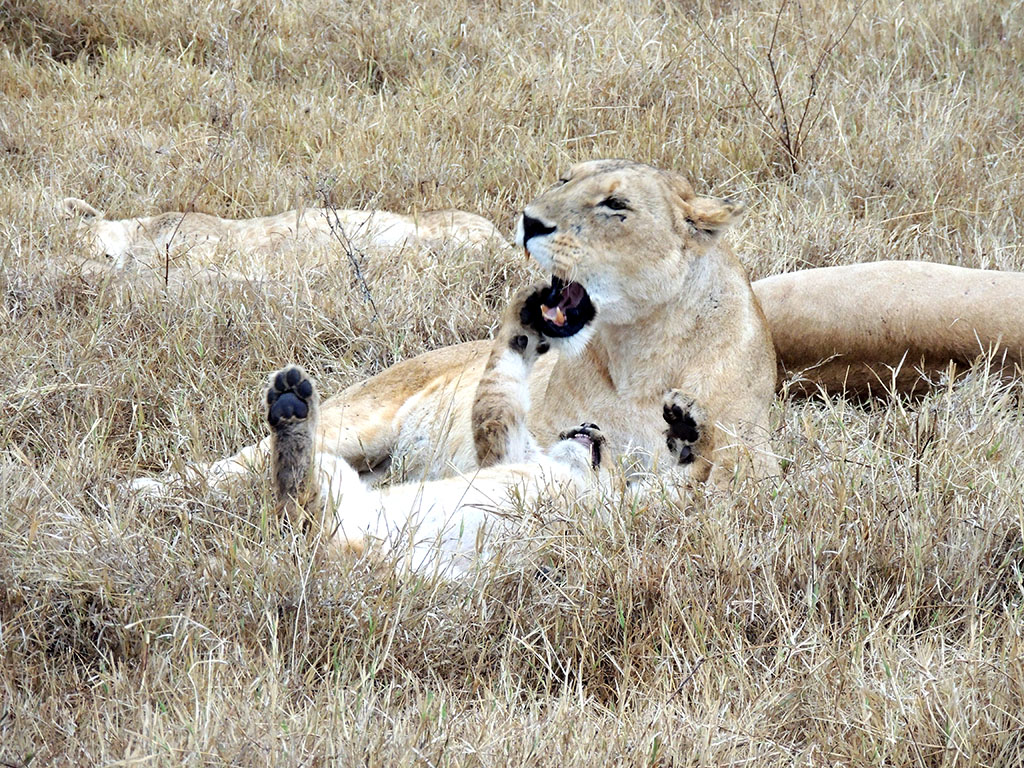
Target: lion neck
column 638, row 359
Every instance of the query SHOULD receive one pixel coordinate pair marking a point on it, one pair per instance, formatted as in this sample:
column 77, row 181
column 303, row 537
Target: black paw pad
column 288, row 397
column 521, row 343
column 683, row 451
column 682, row 433
column 529, row 314
column 681, row 424
column 287, row 407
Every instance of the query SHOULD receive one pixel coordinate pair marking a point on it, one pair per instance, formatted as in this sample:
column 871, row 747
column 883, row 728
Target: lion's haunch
column 868, row 327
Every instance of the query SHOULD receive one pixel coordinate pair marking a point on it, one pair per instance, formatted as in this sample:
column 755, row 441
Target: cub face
column 626, row 232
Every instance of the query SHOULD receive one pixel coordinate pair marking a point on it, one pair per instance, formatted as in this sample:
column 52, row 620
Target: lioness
column 148, row 239
column 450, row 523
column 672, row 308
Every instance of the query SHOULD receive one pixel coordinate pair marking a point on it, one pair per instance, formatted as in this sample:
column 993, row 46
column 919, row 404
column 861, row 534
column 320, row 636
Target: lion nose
column 534, row 228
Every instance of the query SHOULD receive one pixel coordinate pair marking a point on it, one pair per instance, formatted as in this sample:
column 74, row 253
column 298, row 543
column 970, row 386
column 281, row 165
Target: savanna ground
column 864, row 611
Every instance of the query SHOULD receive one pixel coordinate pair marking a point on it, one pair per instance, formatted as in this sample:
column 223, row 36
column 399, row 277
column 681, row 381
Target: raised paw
column 292, row 412
column 686, row 424
column 290, row 395
column 522, row 324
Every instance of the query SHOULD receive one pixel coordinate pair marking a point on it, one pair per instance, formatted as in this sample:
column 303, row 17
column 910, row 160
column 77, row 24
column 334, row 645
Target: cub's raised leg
column 293, row 408
column 502, row 400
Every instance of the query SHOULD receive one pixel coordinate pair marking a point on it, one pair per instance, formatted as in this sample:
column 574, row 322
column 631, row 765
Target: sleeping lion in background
column 196, row 237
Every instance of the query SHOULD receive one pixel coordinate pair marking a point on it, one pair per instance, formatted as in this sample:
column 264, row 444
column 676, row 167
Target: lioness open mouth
column 565, row 309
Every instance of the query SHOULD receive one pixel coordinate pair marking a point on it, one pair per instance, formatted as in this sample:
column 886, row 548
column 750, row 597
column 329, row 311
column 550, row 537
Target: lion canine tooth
column 552, row 314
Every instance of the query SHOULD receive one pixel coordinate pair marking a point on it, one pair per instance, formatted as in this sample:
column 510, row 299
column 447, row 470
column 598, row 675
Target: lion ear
column 708, row 216
column 712, row 215
column 74, row 208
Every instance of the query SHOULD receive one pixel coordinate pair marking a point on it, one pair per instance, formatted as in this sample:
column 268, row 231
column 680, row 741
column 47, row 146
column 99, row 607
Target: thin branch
column 784, row 136
column 825, row 53
column 791, row 140
column 338, row 230
column 739, row 73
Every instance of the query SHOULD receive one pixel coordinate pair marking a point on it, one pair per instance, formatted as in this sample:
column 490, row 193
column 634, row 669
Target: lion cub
column 448, row 523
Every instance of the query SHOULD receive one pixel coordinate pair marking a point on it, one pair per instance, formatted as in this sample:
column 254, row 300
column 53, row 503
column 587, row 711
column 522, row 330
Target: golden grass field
column 866, row 611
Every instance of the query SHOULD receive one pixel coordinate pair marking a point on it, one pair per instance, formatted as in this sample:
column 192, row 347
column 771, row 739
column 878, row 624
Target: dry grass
column 867, row 612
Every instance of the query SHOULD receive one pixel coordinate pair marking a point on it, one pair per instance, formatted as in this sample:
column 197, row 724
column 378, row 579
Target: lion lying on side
column 450, row 523
column 150, row 239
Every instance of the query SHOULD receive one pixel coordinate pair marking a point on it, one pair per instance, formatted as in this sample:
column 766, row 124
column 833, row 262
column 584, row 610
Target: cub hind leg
column 293, row 409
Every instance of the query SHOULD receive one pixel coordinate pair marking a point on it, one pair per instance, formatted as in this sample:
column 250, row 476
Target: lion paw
column 292, row 412
column 290, row 397
column 686, row 423
column 524, row 315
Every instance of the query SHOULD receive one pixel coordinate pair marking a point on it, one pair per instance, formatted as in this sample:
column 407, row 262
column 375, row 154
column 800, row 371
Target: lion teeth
column 552, row 314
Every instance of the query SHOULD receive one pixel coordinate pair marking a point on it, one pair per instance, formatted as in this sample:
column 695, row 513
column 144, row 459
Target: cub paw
column 525, row 318
column 527, row 343
column 686, row 424
column 290, row 397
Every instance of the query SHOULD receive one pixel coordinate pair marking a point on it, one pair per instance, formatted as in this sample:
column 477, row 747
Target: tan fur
column 881, row 326
column 195, row 237
column 502, row 401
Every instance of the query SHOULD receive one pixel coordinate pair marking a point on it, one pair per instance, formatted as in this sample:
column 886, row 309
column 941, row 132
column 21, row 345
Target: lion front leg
column 689, row 436
column 708, row 450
